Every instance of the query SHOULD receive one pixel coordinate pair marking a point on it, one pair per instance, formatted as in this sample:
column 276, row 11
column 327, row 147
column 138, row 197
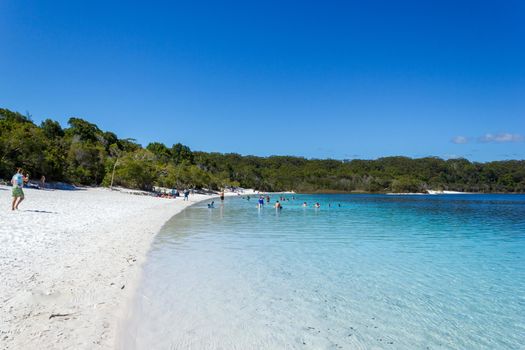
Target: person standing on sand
column 18, row 183
column 43, row 181
column 186, row 194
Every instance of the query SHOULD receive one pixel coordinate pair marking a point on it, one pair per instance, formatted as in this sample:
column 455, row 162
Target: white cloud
column 500, row 138
column 459, row 140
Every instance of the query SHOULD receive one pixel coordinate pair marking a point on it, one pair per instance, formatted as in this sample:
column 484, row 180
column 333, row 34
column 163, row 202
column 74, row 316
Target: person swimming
column 317, row 205
column 304, row 204
column 211, row 205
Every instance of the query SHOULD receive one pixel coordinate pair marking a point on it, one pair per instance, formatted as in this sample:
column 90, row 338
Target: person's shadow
column 40, row 211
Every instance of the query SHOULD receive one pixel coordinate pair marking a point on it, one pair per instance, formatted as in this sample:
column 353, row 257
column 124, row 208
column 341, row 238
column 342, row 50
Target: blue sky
column 339, row 79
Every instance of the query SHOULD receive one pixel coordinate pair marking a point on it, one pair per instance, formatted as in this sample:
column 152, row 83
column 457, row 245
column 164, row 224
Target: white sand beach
column 70, row 261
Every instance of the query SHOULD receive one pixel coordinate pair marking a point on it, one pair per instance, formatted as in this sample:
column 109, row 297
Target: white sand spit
column 69, row 263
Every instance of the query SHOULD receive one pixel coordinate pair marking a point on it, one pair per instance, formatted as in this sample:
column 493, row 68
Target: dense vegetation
column 84, row 154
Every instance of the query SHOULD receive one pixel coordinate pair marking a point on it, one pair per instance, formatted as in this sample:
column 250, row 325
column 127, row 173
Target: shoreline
column 71, row 263
column 125, row 311
column 405, row 193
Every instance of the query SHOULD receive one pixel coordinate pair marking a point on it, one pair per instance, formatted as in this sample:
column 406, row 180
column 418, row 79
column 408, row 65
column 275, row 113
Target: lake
column 360, row 272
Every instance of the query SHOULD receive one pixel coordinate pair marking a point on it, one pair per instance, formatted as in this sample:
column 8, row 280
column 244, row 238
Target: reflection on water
column 443, row 272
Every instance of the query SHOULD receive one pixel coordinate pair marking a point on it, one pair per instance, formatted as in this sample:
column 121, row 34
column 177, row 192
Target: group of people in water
column 212, row 204
column 317, row 205
column 263, row 200
column 266, row 200
column 277, row 205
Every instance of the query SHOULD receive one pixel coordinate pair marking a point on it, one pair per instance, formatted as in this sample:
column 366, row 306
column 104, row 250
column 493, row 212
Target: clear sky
column 339, row 79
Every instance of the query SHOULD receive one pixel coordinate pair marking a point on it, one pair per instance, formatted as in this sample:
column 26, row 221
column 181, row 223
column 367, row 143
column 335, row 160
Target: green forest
column 83, row 154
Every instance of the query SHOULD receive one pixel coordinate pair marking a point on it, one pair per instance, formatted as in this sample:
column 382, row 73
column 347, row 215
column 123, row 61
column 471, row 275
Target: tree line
column 83, row 154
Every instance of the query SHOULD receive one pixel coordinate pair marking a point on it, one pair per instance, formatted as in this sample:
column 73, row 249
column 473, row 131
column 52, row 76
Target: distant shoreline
column 403, row 193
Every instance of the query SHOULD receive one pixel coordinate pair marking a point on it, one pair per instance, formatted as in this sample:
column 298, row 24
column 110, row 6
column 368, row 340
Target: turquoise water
column 379, row 272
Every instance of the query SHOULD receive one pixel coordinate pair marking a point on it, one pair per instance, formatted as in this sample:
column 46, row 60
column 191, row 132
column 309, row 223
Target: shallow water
column 379, row 272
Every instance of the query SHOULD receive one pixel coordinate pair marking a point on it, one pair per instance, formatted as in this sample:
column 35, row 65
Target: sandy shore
column 70, row 261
